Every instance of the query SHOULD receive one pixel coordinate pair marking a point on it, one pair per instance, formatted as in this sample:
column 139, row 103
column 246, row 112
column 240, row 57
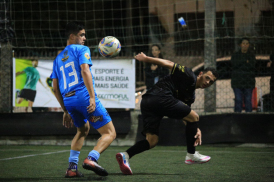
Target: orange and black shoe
column 73, row 174
column 95, row 167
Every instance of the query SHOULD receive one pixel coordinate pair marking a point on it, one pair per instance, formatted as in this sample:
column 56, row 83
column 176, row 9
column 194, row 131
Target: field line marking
column 33, row 155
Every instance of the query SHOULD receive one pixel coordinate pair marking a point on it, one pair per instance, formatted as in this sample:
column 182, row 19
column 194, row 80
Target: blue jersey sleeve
column 53, row 74
column 84, row 56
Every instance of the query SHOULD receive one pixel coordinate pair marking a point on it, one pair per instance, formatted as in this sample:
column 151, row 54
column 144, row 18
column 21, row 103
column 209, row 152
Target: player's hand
column 198, row 137
column 67, row 121
column 140, row 57
column 91, row 106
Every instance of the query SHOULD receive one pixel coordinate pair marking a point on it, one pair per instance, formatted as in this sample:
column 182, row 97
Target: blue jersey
column 66, row 68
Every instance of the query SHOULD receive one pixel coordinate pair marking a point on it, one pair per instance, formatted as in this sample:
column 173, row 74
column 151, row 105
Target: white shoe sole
column 190, row 161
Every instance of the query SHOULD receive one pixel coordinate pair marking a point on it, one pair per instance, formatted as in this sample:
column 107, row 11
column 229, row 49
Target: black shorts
column 28, row 94
column 154, row 108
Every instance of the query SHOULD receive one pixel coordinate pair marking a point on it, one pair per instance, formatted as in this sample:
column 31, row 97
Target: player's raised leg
column 141, row 146
column 123, row 161
column 108, row 134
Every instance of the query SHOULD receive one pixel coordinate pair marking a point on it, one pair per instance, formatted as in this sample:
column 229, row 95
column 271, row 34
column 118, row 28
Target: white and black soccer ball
column 109, row 47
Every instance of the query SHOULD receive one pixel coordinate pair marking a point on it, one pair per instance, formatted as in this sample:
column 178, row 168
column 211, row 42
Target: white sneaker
column 122, row 159
column 196, row 158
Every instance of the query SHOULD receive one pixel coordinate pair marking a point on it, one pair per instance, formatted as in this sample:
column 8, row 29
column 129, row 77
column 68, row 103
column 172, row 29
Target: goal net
column 138, row 24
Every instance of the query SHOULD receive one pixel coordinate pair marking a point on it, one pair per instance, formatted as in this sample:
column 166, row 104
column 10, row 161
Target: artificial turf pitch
column 49, row 163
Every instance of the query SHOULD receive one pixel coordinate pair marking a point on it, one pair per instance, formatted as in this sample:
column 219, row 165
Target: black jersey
column 180, row 84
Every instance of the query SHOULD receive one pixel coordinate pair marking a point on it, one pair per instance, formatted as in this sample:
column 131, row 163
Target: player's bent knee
column 113, row 135
column 153, row 144
column 84, row 130
column 109, row 136
column 108, row 130
column 111, row 131
column 152, row 140
column 192, row 117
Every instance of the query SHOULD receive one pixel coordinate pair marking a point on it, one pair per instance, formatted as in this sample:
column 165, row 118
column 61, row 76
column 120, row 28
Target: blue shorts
column 97, row 119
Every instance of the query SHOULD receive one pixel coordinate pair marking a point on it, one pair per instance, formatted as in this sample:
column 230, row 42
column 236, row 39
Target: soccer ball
column 109, row 47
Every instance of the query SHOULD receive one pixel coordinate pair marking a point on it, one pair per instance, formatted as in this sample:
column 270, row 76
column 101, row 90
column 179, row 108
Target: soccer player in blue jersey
column 73, row 86
column 171, row 96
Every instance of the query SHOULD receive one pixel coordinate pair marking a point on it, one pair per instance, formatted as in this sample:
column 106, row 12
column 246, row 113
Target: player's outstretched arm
column 161, row 62
column 19, row 73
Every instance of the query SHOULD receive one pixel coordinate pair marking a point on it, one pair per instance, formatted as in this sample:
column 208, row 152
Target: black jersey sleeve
column 182, row 72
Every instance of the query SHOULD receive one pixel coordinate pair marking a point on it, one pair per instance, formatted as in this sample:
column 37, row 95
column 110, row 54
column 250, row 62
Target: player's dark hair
column 159, row 47
column 73, row 28
column 242, row 39
column 213, row 70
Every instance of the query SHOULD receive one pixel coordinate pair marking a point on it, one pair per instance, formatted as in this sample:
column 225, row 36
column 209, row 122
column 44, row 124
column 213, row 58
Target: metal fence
column 35, row 30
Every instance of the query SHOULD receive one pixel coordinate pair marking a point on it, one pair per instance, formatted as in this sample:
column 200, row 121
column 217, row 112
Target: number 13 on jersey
column 73, row 73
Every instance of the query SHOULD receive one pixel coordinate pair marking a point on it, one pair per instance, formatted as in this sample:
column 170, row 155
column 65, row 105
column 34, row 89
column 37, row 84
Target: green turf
column 159, row 164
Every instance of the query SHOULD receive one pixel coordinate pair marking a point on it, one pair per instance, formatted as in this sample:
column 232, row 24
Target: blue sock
column 93, row 155
column 74, row 156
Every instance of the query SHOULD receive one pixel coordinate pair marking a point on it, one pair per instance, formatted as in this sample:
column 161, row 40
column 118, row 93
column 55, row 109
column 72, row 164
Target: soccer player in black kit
column 172, row 96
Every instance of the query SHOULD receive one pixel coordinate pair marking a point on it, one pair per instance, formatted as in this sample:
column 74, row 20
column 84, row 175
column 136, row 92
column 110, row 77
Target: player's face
column 35, row 63
column 155, row 51
column 80, row 37
column 205, row 80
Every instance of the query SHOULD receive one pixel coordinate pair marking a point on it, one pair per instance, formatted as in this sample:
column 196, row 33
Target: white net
column 39, row 31
column 39, row 25
column 137, row 24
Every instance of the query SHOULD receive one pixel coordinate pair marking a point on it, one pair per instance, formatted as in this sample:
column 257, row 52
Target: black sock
column 139, row 147
column 191, row 130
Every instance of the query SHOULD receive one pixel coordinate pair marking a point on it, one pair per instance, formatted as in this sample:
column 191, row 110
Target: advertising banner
column 115, row 82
